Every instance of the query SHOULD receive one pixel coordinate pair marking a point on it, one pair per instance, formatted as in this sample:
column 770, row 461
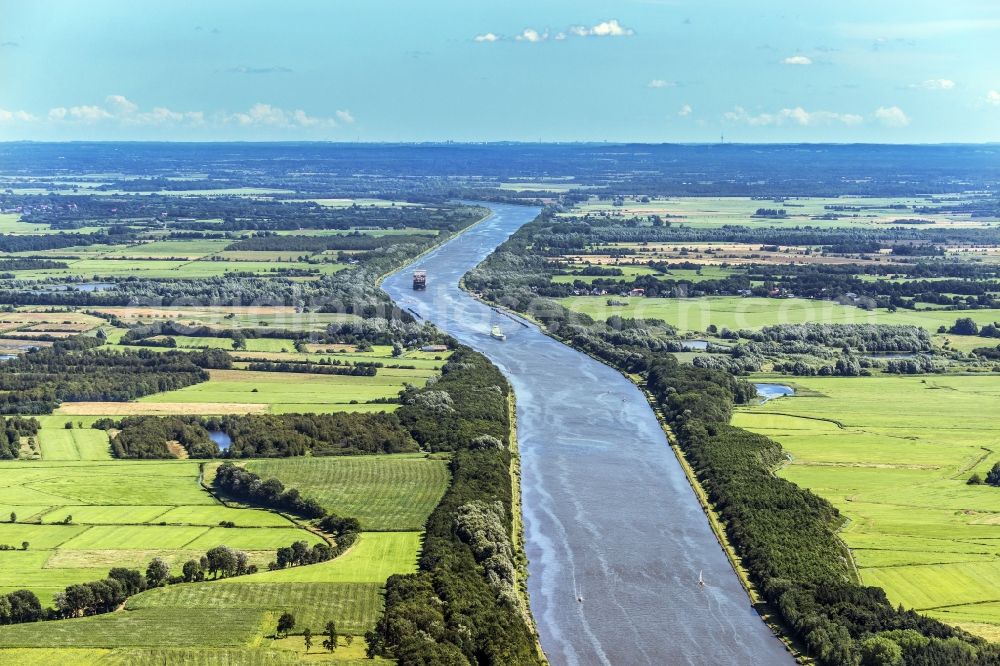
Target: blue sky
column 467, row 70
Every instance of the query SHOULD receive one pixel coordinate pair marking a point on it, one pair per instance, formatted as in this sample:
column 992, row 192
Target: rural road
column 608, row 513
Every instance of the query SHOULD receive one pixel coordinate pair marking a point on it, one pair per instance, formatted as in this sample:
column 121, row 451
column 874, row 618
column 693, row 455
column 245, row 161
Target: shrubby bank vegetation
column 461, row 607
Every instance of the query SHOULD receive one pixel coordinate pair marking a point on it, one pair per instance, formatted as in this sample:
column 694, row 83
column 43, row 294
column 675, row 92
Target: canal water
column 609, row 515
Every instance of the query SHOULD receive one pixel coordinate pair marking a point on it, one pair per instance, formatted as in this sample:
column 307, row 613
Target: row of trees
column 271, row 493
column 75, row 370
column 109, row 593
column 460, row 607
column 245, row 485
column 352, row 370
column 851, row 337
column 259, row 435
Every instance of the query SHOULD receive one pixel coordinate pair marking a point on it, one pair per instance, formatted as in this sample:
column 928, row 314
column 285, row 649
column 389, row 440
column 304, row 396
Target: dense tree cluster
column 20, row 606
column 854, row 337
column 41, row 242
column 270, row 435
column 918, row 365
column 260, row 435
column 28, row 264
column 12, row 429
column 301, row 553
column 352, row 369
column 147, row 436
column 271, row 493
column 467, row 401
column 74, row 370
column 379, row 330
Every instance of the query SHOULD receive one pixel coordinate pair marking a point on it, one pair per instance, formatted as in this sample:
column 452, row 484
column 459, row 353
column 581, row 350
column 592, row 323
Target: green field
column 893, row 454
column 239, row 612
column 715, row 212
column 293, row 392
column 354, row 606
column 733, row 312
column 76, row 444
column 159, row 627
column 372, row 559
column 388, row 492
column 123, row 513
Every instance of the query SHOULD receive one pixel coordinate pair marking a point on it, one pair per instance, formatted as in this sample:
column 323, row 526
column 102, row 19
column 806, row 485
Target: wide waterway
column 609, row 516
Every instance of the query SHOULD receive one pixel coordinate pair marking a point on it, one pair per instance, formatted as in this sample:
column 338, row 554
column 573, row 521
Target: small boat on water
column 701, row 579
column 497, row 334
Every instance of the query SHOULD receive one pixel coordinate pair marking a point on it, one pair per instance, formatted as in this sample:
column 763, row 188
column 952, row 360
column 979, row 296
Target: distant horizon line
column 451, row 142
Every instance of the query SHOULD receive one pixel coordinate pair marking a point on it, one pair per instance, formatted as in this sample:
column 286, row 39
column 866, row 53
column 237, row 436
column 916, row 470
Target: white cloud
column 118, row 108
column 934, row 84
column 121, row 105
column 609, row 28
column 121, row 111
column 532, row 35
column 797, row 60
column 267, row 115
column 16, row 116
column 685, row 111
column 793, row 116
column 660, row 83
column 891, row 116
column 88, row 113
column 993, row 97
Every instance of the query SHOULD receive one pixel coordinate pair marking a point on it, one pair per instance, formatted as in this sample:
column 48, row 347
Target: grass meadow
column 292, row 392
column 734, row 312
column 893, row 454
column 386, row 493
column 121, row 513
column 714, row 212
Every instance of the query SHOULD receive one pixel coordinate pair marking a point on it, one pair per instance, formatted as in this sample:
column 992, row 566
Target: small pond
column 220, row 438
column 771, row 391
